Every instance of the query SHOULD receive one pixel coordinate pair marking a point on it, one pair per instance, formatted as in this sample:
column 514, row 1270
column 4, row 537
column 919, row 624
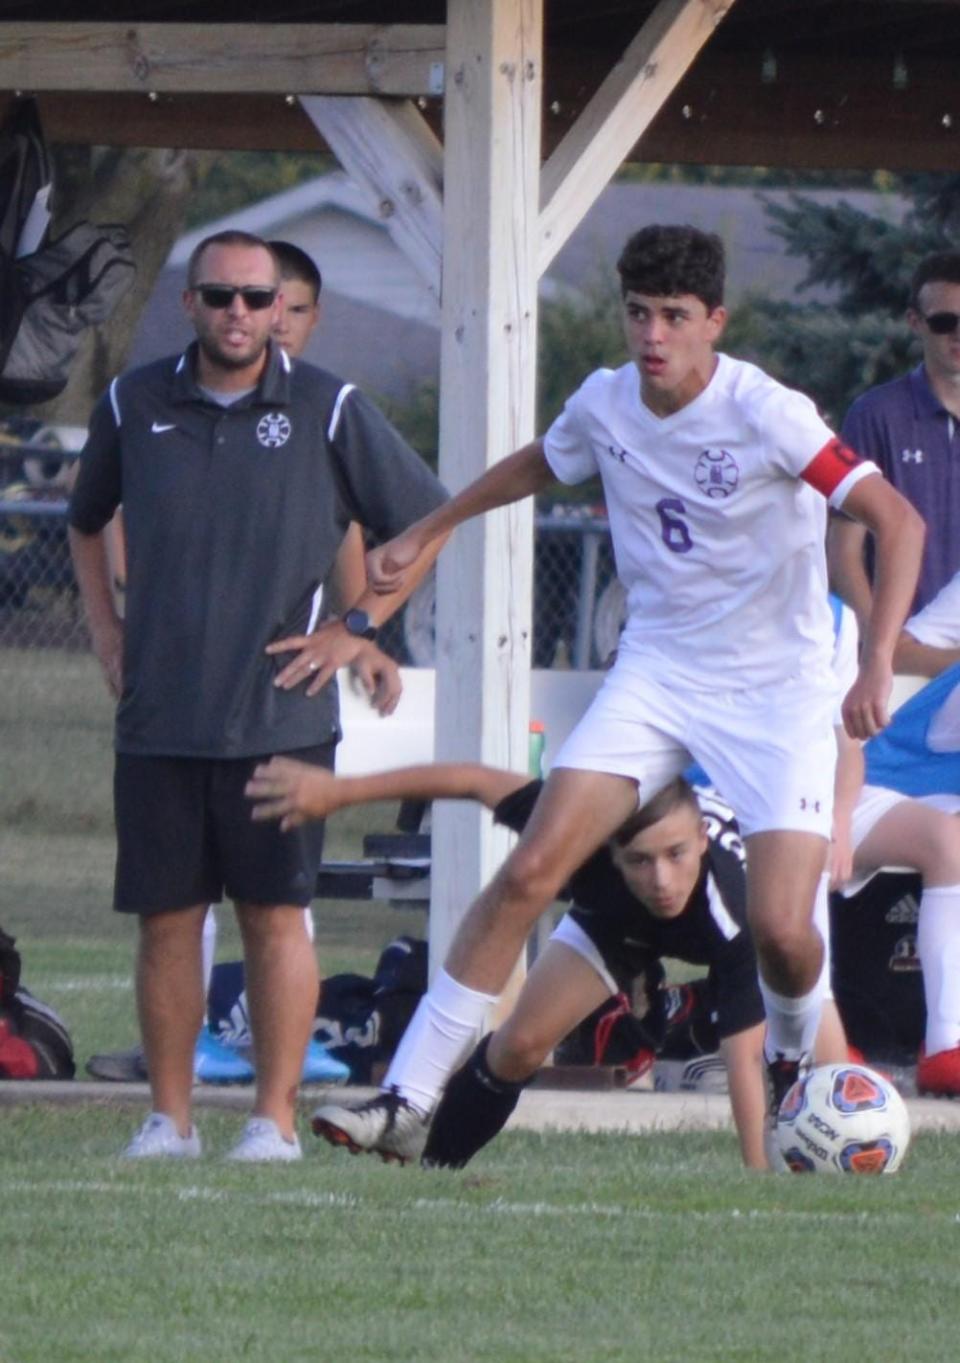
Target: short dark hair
column 678, row 793
column 665, row 261
column 296, row 264
column 231, row 236
column 942, row 267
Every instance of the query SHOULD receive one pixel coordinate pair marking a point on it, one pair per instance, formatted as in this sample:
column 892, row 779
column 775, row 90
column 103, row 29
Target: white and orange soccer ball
column 843, row 1119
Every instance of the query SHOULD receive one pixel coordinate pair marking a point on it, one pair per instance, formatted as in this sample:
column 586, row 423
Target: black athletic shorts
column 185, row 835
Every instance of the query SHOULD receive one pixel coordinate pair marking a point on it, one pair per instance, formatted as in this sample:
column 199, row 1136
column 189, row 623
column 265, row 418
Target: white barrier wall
column 558, row 698
column 371, row 743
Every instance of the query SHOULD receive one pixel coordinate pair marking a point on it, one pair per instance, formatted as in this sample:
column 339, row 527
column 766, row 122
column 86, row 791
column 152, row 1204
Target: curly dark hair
column 664, row 261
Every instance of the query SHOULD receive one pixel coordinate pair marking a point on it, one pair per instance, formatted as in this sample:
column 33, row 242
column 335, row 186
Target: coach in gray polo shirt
column 238, row 471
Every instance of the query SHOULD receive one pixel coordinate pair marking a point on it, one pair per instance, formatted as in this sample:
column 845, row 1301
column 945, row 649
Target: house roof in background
column 381, row 323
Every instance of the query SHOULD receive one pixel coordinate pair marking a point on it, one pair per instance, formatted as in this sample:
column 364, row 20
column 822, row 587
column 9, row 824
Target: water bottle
column 537, row 744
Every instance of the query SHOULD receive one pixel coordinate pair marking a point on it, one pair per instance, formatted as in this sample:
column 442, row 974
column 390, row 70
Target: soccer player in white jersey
column 717, row 480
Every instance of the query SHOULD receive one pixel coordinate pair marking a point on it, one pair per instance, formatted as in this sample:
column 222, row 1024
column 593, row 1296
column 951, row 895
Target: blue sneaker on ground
column 215, row 1063
column 320, row 1067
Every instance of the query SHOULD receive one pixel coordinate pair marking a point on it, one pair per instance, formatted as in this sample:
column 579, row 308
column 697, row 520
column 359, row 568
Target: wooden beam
column 488, row 373
column 825, row 113
column 201, row 122
column 621, row 110
column 345, row 59
column 721, row 113
column 387, row 146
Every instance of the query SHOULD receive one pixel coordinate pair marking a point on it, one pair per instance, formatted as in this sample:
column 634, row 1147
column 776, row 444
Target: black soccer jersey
column 711, row 930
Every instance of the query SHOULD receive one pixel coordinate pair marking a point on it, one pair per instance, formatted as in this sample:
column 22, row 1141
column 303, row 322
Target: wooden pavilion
column 487, row 128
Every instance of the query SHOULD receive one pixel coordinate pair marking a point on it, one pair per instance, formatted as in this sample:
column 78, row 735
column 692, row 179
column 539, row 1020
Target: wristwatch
column 357, row 622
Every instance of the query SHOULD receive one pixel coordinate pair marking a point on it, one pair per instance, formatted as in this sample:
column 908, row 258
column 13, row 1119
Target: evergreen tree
column 834, row 351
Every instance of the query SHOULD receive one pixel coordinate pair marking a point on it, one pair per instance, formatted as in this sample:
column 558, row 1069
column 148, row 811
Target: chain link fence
column 577, row 601
column 39, row 602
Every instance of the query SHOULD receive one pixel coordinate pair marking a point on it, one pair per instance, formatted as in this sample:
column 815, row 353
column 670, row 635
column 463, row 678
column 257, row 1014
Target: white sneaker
column 262, row 1143
column 159, row 1138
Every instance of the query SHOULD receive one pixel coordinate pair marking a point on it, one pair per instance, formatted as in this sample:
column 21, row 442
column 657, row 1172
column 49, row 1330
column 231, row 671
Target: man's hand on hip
column 319, row 656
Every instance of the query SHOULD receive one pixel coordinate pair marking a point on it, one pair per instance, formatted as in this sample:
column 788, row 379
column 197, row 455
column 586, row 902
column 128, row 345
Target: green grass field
column 560, row 1247
column 592, row 1249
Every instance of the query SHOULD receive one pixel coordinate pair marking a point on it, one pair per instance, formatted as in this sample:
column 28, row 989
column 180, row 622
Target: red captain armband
column 827, row 470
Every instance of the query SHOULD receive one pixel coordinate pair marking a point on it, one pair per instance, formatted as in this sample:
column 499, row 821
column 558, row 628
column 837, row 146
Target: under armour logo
column 618, row 454
column 810, row 804
column 911, row 456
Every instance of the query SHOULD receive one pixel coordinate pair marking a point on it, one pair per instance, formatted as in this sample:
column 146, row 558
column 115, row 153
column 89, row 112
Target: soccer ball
column 843, row 1119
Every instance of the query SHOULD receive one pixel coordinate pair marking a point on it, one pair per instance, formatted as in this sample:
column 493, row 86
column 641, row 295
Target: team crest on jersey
column 273, row 430
column 717, row 473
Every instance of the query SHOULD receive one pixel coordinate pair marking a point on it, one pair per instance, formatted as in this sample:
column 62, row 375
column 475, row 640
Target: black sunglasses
column 219, row 296
column 942, row 323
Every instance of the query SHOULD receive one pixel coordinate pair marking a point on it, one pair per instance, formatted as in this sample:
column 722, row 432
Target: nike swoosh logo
column 158, row 428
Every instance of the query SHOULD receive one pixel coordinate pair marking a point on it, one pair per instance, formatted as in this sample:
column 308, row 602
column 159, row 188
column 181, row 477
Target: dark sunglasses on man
column 943, row 323
column 219, row 296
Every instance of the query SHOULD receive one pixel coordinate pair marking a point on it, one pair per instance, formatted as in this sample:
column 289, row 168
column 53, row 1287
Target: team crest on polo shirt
column 716, row 473
column 273, row 430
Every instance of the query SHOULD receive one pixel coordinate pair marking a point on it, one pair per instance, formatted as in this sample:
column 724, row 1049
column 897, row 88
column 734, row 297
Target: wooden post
column 388, row 146
column 487, row 365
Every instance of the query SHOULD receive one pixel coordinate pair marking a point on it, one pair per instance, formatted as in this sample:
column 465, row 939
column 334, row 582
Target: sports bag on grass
column 34, row 1041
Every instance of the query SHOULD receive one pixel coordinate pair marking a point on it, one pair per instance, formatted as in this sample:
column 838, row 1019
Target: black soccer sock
column 474, row 1108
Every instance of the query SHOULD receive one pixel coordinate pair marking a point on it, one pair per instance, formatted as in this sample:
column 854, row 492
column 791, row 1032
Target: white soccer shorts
column 771, row 751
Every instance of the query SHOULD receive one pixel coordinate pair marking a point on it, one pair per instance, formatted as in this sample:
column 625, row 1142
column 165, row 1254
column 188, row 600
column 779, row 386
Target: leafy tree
column 578, row 333
column 148, row 191
column 240, row 178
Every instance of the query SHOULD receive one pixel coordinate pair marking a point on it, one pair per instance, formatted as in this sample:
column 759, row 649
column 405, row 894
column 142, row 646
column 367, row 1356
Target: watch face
column 358, row 622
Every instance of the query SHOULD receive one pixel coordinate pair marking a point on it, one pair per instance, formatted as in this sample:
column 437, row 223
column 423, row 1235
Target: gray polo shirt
column 903, row 427
column 233, row 517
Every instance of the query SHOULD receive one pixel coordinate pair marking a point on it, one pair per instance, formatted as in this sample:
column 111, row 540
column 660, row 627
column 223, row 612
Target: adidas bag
column 877, row 978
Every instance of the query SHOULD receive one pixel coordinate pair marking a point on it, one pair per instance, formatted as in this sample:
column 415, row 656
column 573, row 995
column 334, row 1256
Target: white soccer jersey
column 717, row 530
column 844, row 660
column 938, row 624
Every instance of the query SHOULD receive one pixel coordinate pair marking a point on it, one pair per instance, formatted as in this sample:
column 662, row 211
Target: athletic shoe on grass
column 262, row 1143
column 386, row 1125
column 215, row 1063
column 938, row 1075
column 320, row 1067
column 782, row 1074
column 159, row 1138
column 119, row 1067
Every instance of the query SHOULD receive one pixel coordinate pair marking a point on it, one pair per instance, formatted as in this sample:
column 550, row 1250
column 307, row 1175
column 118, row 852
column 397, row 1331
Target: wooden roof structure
column 487, row 128
column 781, row 82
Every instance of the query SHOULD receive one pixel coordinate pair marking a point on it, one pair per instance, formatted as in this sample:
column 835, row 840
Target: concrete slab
column 538, row 1110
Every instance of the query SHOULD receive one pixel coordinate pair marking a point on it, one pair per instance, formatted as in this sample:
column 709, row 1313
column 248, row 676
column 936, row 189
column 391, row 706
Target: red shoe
column 938, row 1075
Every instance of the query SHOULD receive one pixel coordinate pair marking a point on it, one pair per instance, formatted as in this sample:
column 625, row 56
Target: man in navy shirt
column 910, row 427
